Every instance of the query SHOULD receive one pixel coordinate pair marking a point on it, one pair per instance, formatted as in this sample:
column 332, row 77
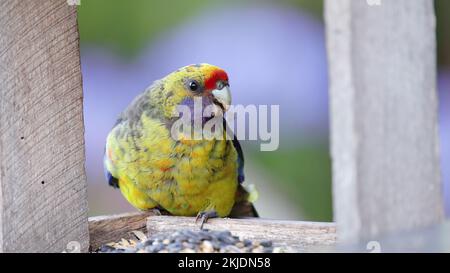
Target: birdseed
column 190, row 241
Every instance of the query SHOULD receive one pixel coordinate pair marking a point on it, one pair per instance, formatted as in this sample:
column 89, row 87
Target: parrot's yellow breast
column 184, row 177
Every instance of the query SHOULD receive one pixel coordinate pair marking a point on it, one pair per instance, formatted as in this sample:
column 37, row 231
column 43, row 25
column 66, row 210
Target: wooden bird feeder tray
column 295, row 236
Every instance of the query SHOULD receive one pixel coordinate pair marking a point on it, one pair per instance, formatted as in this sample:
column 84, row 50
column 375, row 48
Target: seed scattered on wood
column 207, row 247
column 190, row 241
column 258, row 249
column 266, row 243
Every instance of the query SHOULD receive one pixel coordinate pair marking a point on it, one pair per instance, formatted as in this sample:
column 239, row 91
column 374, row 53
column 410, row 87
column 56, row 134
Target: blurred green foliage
column 442, row 8
column 304, row 176
column 127, row 28
column 315, row 7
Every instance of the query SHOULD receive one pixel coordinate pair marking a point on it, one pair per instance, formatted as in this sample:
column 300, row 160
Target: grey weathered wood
column 386, row 174
column 431, row 239
column 43, row 197
column 293, row 235
column 112, row 228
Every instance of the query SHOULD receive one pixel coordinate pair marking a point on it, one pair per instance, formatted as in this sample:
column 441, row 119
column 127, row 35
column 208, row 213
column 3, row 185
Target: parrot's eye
column 193, row 85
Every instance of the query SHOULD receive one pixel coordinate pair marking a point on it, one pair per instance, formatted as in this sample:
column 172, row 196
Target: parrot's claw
column 205, row 215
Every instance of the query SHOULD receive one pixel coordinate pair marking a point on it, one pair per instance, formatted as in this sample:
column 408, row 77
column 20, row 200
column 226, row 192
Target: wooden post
column 382, row 59
column 43, row 197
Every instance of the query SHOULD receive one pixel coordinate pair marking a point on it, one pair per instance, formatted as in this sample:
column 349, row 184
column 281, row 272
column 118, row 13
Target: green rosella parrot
column 186, row 177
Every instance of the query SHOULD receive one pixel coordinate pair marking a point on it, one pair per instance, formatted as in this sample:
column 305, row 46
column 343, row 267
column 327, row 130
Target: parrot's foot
column 205, row 215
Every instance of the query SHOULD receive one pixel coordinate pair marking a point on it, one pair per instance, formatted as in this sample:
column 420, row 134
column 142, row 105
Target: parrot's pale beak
column 223, row 97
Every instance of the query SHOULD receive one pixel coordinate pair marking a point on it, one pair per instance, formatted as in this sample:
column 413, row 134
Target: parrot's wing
column 237, row 146
column 133, row 112
column 242, row 206
column 131, row 115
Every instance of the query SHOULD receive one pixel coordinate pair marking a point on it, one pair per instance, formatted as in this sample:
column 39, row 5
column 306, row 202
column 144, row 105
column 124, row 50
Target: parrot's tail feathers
column 243, row 207
column 254, row 212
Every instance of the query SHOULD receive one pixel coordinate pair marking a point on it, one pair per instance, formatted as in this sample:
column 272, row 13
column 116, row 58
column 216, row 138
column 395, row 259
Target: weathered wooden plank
column 386, row 173
column 43, row 197
column 112, row 228
column 294, row 235
column 298, row 236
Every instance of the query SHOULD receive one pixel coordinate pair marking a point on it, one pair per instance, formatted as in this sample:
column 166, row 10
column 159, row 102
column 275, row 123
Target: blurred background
column 274, row 53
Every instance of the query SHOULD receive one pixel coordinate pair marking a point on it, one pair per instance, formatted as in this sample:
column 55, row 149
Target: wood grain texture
column 382, row 66
column 43, row 197
column 112, row 228
column 296, row 236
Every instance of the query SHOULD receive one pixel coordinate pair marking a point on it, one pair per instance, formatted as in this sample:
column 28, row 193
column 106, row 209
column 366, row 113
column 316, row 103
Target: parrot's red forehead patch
column 214, row 76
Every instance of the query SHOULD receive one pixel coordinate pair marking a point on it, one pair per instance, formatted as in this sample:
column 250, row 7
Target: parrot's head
column 205, row 82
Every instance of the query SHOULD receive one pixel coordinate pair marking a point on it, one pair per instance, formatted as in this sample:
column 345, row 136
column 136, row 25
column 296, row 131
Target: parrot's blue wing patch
column 240, row 159
column 112, row 181
column 237, row 146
